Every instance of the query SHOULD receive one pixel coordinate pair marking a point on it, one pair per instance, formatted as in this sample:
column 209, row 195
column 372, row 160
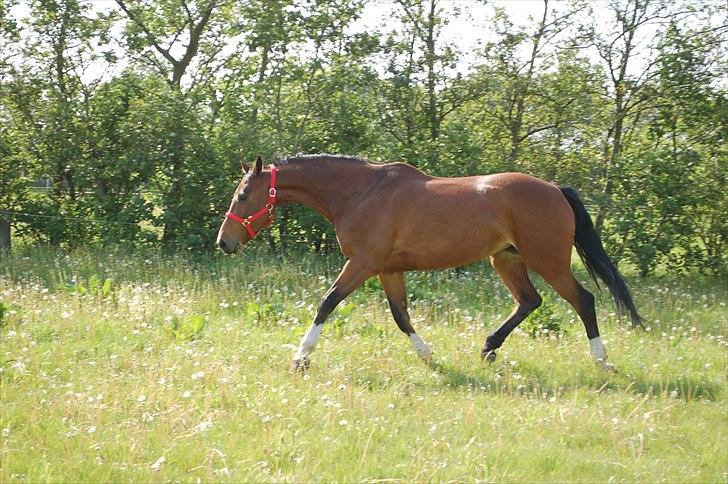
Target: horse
column 392, row 218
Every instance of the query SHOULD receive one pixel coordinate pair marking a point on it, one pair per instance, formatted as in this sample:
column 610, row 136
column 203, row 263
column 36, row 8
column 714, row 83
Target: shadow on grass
column 537, row 383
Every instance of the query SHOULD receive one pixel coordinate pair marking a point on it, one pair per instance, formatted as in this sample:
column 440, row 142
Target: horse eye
column 242, row 197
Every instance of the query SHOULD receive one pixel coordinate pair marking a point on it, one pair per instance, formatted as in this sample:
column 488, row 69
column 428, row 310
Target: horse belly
column 449, row 242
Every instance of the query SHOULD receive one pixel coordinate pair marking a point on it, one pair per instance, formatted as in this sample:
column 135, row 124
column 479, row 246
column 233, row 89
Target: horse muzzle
column 226, row 247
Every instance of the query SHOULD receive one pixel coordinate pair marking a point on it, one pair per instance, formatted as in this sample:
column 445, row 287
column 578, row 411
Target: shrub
column 543, row 321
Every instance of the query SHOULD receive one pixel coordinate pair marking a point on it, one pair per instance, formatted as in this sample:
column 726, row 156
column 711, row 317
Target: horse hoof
column 424, row 353
column 300, row 365
column 606, row 366
column 488, row 356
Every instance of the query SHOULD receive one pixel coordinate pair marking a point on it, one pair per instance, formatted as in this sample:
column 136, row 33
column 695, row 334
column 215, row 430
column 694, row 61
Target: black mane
column 321, row 157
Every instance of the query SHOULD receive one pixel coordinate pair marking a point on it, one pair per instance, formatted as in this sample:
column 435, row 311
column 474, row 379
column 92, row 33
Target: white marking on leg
column 596, row 348
column 308, row 342
column 422, row 349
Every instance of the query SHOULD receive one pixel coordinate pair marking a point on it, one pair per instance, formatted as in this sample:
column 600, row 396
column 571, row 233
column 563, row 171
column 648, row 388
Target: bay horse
column 392, row 218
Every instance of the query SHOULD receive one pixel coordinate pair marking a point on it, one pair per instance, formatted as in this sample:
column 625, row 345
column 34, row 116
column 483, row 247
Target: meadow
column 144, row 366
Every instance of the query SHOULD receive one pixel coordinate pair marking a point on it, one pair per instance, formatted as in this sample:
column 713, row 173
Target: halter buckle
column 272, row 192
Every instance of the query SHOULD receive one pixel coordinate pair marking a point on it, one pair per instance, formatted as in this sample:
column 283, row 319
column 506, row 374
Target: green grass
column 178, row 369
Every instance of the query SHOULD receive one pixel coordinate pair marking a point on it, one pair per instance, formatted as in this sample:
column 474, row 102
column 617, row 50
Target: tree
column 199, row 31
column 619, row 49
column 43, row 102
column 420, row 91
column 512, row 88
column 156, row 29
column 676, row 215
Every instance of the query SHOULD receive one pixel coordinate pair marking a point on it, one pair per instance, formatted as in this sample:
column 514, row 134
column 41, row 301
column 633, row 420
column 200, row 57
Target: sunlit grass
column 180, row 371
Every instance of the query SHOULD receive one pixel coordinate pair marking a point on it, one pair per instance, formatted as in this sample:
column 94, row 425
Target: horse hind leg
column 582, row 300
column 510, row 267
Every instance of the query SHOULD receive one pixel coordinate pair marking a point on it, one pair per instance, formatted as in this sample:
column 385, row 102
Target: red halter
column 267, row 209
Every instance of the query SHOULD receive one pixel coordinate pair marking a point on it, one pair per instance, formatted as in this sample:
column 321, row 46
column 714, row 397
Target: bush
column 543, row 322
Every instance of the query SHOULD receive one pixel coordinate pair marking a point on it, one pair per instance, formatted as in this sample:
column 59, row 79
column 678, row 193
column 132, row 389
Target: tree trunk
column 4, row 231
column 522, row 88
column 432, row 114
column 173, row 211
column 621, row 100
column 256, row 93
column 613, row 159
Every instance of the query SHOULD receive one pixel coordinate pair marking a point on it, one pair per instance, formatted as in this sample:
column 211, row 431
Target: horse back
column 408, row 220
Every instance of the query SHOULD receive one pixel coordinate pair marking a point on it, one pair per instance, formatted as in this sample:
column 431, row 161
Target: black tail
column 597, row 262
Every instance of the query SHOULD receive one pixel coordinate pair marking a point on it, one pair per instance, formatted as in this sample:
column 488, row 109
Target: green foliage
column 341, row 317
column 261, row 314
column 187, row 328
column 94, row 286
column 544, row 321
column 149, row 154
column 372, row 285
column 9, row 314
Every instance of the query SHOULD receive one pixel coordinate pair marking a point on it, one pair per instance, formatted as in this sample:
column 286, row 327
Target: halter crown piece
column 268, row 209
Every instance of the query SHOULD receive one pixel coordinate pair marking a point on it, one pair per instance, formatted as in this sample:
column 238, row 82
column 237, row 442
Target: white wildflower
column 158, row 463
column 204, row 425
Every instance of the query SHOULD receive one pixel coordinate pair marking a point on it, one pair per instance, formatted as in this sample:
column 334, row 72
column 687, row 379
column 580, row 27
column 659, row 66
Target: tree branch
column 150, row 37
column 536, row 130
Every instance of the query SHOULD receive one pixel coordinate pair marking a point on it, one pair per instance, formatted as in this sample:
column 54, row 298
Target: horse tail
column 595, row 258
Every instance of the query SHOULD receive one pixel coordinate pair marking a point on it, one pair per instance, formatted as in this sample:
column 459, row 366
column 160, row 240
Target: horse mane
column 320, row 157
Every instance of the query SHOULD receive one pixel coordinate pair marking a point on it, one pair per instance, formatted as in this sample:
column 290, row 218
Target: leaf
column 187, row 329
column 94, row 284
column 252, row 308
column 197, row 323
column 346, row 310
column 106, row 288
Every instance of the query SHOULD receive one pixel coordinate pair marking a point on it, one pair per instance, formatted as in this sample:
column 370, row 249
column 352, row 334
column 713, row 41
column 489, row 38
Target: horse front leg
column 393, row 284
column 350, row 277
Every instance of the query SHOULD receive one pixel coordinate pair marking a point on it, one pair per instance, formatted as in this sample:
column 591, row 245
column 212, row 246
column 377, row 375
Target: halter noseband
column 267, row 209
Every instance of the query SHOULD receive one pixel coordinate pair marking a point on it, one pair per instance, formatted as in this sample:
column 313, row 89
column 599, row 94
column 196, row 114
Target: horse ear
column 258, row 165
column 244, row 166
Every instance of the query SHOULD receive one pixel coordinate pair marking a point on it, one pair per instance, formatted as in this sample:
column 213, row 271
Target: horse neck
column 325, row 187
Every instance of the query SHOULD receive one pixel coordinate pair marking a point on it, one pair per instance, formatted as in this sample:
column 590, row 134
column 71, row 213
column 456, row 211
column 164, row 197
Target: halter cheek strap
column 268, row 209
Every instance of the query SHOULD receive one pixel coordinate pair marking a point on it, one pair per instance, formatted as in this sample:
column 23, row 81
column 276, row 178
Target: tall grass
column 175, row 367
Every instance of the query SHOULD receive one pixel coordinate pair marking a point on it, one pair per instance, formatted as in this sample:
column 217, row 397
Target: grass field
column 150, row 367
